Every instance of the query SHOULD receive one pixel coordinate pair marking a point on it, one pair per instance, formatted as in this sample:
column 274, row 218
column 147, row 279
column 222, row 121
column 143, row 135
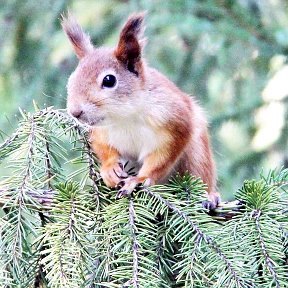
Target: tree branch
column 135, row 244
column 207, row 239
column 268, row 260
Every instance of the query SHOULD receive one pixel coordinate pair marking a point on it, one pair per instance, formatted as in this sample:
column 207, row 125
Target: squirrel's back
column 196, row 158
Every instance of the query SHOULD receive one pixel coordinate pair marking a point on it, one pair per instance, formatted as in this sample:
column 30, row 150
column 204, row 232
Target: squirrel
column 135, row 113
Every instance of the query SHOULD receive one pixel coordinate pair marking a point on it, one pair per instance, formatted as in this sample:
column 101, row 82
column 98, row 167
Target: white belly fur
column 135, row 139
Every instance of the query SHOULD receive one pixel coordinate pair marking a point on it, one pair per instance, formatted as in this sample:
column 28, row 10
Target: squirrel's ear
column 129, row 46
column 81, row 42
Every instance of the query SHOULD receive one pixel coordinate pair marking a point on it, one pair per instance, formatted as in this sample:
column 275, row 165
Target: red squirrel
column 135, row 113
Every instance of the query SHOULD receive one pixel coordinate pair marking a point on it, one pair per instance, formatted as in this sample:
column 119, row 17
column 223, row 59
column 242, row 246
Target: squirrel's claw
column 112, row 174
column 212, row 202
column 123, row 193
column 121, row 175
column 209, row 205
column 127, row 186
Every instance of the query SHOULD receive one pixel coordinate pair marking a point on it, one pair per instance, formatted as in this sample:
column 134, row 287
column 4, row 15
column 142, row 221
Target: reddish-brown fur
column 144, row 118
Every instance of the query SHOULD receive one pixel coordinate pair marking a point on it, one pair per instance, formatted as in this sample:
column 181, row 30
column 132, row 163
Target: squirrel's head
column 106, row 80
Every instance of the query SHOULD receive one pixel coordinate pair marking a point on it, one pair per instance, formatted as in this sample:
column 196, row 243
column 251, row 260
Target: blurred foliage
column 231, row 54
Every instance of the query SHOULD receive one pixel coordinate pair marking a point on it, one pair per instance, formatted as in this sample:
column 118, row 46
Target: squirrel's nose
column 76, row 113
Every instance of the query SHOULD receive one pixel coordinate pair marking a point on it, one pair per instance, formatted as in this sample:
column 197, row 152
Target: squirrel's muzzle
column 76, row 113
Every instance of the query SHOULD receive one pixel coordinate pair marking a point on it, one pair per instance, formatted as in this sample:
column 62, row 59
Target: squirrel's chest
column 134, row 139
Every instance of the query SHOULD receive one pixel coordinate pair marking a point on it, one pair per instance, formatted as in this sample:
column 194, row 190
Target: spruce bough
column 62, row 227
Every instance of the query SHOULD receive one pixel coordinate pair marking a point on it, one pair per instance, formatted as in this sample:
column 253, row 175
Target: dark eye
column 109, row 81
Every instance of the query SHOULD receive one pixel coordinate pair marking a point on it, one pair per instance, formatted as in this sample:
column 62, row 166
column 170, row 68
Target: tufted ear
column 129, row 46
column 80, row 41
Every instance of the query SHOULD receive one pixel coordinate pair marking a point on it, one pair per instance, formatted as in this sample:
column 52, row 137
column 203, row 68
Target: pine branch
column 92, row 163
column 50, row 173
column 42, row 199
column 14, row 232
column 17, row 244
column 277, row 178
column 77, row 235
column 268, row 260
column 263, row 242
column 207, row 239
column 66, row 249
column 135, row 244
column 40, row 275
column 9, row 141
column 43, row 202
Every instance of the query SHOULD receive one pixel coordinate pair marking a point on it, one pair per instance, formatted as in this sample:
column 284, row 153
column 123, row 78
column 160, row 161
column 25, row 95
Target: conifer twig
column 41, row 273
column 268, row 260
column 135, row 244
column 93, row 174
column 21, row 191
column 207, row 239
column 42, row 197
column 10, row 140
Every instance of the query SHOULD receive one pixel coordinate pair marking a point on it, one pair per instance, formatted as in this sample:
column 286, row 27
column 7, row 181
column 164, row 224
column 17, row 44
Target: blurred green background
column 230, row 54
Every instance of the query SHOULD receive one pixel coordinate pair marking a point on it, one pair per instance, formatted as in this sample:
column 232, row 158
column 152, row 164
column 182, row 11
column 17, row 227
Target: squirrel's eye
column 109, row 81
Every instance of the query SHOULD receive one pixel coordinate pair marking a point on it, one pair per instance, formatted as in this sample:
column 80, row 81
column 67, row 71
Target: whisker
column 101, row 100
column 111, row 104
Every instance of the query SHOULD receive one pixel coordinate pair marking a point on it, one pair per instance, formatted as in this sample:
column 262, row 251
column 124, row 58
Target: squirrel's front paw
column 112, row 174
column 128, row 185
column 212, row 202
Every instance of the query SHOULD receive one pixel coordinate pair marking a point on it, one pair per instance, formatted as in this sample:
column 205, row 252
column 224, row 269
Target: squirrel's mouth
column 92, row 122
column 84, row 120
